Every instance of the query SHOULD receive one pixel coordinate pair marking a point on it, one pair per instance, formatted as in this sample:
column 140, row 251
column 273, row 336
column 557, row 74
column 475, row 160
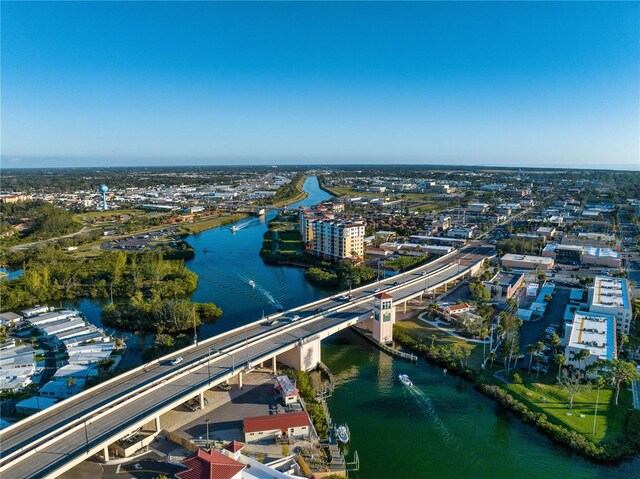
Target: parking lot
column 138, row 242
column 225, row 422
column 534, row 331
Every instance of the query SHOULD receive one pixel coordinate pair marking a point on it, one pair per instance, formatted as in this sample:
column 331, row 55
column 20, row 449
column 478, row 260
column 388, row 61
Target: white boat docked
column 404, row 379
column 342, row 433
column 252, row 283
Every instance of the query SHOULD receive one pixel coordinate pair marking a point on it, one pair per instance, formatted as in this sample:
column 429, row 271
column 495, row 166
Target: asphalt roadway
column 315, row 318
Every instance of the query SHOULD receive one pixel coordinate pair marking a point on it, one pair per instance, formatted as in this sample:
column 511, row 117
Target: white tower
column 384, row 317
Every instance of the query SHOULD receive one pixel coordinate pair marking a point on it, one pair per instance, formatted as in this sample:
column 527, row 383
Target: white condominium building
column 337, row 239
column 593, row 332
column 611, row 296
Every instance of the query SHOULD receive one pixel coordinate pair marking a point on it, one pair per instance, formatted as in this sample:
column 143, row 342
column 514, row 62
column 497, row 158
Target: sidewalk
column 438, row 324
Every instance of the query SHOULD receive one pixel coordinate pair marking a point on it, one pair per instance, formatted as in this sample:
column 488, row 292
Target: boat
column 234, row 228
column 404, row 379
column 252, row 283
column 342, row 433
column 205, row 250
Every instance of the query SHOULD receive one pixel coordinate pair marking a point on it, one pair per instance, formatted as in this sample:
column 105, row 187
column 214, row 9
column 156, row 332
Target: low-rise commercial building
column 577, row 254
column 292, row 425
column 503, row 285
column 521, row 261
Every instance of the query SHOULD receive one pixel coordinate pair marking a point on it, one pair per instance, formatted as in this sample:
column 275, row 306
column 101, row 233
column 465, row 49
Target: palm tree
column 582, row 355
column 623, row 340
column 599, row 383
column 492, row 356
column 531, row 350
column 555, row 342
column 484, row 334
column 560, row 359
column 433, row 339
column 71, row 383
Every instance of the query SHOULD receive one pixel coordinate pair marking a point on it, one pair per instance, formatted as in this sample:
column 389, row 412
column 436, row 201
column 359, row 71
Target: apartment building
column 335, row 240
column 593, row 332
column 611, row 296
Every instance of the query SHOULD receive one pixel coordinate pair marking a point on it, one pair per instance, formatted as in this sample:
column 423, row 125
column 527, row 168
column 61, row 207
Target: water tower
column 103, row 189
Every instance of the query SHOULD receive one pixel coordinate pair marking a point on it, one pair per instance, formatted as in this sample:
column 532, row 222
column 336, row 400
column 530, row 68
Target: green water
column 441, row 429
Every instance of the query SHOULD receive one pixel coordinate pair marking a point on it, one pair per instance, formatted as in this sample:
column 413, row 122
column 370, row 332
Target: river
column 442, row 428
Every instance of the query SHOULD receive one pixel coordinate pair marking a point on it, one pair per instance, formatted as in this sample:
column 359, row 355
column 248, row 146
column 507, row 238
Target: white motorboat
column 252, row 283
column 404, row 379
column 234, row 228
column 342, row 433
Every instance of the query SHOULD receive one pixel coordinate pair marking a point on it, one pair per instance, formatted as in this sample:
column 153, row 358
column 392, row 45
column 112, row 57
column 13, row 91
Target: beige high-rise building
column 337, row 239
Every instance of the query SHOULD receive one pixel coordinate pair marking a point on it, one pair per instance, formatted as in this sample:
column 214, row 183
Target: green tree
column 571, row 384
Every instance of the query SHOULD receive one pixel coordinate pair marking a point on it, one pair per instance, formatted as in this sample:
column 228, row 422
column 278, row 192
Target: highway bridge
column 54, row 440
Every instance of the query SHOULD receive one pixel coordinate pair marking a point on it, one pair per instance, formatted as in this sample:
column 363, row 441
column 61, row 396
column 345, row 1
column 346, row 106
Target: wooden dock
column 387, row 349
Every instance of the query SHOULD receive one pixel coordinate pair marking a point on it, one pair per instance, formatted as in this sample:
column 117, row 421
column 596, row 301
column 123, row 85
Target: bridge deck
column 138, row 400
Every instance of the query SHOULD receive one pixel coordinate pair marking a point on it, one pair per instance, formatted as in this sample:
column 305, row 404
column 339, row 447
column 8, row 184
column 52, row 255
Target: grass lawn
column 105, row 214
column 417, row 328
column 193, row 228
column 552, row 401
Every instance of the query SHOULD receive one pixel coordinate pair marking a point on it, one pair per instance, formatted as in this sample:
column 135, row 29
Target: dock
column 387, row 349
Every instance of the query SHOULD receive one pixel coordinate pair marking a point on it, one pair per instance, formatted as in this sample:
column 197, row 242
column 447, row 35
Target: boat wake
column 426, row 404
column 241, row 226
column 263, row 292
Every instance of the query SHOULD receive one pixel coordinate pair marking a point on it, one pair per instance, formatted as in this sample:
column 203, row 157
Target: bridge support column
column 384, row 317
column 240, row 380
column 201, row 400
column 404, row 307
column 105, row 453
column 158, row 424
column 303, row 357
column 274, row 365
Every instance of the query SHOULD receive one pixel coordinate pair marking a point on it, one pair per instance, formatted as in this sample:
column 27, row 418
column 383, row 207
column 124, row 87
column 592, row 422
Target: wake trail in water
column 426, row 404
column 266, row 294
column 244, row 225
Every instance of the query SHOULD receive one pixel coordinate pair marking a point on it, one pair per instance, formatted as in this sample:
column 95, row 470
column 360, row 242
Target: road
column 50, row 457
column 35, row 243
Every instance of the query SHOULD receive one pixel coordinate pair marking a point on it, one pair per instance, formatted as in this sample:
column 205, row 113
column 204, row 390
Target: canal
column 441, row 428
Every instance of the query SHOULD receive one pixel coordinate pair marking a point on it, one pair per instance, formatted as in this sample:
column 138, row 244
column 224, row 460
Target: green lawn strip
column 193, row 228
column 417, row 328
column 552, row 401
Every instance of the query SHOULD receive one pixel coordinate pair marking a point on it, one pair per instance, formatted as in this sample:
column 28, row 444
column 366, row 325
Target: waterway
column 232, row 260
column 441, row 428
column 224, row 272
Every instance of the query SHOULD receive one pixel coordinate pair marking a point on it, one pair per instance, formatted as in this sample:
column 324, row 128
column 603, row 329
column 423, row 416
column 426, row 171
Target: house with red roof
column 293, row 425
column 211, row 465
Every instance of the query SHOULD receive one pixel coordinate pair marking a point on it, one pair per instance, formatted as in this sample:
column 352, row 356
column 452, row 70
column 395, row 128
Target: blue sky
column 526, row 84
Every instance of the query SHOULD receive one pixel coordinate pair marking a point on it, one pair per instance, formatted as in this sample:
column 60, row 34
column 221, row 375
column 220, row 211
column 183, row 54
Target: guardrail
column 197, row 364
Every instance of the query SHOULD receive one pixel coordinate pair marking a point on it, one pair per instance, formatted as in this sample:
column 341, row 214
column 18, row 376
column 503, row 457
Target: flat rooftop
column 595, row 332
column 527, row 258
column 610, row 292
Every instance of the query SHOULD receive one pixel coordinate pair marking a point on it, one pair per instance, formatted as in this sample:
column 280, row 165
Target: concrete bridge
column 52, row 441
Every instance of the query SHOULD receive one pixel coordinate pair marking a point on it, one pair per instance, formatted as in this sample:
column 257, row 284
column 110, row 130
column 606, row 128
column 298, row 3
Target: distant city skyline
column 194, row 83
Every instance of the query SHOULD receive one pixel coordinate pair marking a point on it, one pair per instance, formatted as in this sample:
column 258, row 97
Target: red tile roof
column 234, row 446
column 383, row 296
column 212, row 465
column 456, row 307
column 276, row 421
